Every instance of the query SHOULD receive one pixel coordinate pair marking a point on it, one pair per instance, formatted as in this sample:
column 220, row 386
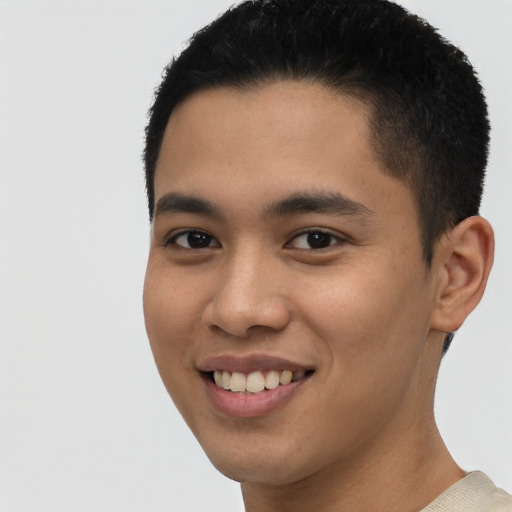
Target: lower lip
column 250, row 405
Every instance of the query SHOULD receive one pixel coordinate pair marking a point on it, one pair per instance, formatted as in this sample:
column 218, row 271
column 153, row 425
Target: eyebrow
column 328, row 203
column 180, row 203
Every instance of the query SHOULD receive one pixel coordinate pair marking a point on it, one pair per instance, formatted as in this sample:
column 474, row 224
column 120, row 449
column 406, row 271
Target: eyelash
column 333, row 239
column 207, row 240
column 173, row 239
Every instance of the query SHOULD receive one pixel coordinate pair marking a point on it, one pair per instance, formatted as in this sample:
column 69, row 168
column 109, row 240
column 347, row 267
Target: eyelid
column 339, row 239
column 170, row 239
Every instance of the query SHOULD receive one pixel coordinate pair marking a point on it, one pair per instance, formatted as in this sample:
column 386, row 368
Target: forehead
column 262, row 143
column 276, row 117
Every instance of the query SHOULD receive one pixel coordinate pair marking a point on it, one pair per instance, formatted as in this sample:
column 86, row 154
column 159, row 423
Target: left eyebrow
column 329, row 203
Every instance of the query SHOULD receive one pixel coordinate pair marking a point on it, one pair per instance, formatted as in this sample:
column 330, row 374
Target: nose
column 248, row 295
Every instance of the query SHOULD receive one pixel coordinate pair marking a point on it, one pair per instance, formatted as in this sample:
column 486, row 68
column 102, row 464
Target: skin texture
column 364, row 312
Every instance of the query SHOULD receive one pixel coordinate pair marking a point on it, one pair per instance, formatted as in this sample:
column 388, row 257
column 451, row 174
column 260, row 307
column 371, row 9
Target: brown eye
column 319, row 240
column 314, row 240
column 194, row 240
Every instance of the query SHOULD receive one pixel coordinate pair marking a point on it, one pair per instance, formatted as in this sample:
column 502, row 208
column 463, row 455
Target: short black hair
column 429, row 122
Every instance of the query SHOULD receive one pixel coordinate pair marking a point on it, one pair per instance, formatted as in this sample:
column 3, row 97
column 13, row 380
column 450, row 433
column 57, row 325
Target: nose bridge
column 247, row 293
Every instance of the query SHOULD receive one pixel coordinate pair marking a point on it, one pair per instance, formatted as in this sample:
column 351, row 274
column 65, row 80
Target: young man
column 314, row 172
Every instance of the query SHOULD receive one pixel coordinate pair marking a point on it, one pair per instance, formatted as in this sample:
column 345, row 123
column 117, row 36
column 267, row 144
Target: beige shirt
column 474, row 493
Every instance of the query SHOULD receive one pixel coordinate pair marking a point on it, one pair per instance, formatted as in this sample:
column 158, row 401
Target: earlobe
column 464, row 259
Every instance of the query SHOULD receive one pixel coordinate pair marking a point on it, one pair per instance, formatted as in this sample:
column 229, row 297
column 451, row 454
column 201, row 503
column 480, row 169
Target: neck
column 400, row 474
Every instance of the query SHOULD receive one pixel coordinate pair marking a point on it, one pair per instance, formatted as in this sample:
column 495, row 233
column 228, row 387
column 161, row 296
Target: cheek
column 370, row 333
column 170, row 316
column 368, row 318
column 172, row 301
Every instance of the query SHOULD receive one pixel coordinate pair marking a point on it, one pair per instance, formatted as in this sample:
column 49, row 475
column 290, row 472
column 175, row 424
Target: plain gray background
column 85, row 424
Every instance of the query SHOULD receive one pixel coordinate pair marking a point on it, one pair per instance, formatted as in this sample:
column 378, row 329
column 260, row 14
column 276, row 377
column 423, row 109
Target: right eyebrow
column 180, row 203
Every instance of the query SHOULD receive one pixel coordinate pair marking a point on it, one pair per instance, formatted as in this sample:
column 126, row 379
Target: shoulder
column 474, row 493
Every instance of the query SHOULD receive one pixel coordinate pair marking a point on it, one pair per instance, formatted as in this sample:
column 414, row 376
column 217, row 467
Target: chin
column 259, row 473
column 274, row 464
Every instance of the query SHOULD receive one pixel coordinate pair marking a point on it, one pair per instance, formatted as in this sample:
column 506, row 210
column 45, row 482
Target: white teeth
column 286, row 377
column 238, row 382
column 226, row 380
column 272, row 379
column 255, row 382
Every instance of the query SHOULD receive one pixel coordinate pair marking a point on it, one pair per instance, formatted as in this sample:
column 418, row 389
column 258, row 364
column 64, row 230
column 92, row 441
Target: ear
column 464, row 259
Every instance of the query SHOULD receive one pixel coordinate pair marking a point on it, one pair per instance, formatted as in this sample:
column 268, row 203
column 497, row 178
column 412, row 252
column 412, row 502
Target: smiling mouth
column 258, row 381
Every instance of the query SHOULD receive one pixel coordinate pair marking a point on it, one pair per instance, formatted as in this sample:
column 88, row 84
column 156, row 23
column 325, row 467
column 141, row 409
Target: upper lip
column 248, row 364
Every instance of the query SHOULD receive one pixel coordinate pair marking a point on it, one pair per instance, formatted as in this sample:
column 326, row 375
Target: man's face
column 281, row 249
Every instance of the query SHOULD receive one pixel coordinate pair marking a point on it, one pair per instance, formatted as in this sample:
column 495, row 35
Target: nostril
column 245, row 301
